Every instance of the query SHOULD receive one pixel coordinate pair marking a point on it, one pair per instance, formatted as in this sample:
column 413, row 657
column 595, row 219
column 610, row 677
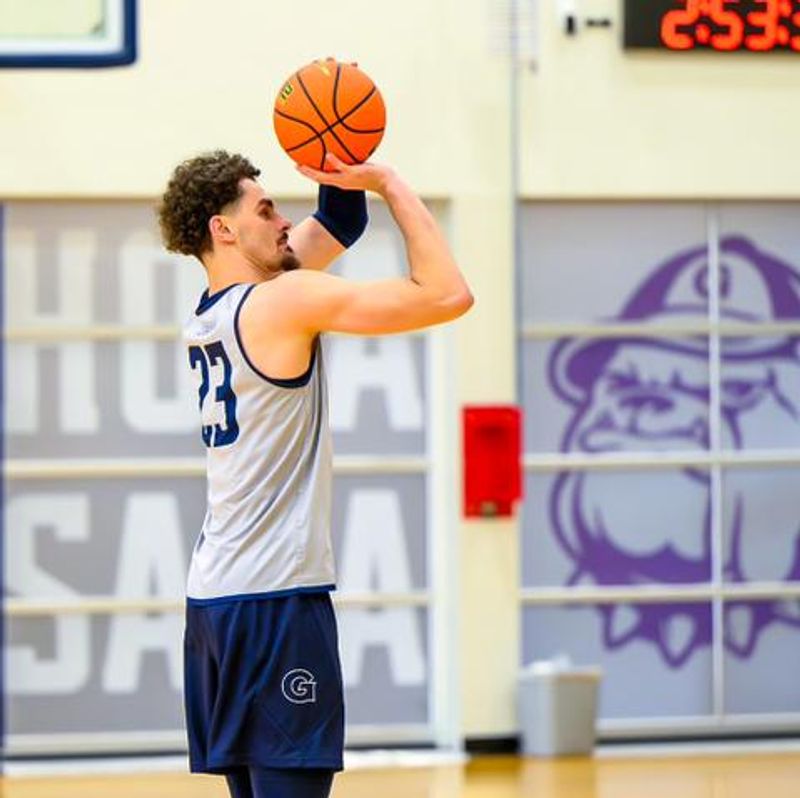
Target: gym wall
column 92, row 150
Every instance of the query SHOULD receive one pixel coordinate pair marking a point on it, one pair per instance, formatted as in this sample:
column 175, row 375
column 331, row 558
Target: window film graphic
column 661, row 525
column 643, row 394
column 636, row 683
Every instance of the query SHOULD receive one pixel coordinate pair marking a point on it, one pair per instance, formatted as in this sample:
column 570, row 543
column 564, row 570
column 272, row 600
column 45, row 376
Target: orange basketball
column 328, row 106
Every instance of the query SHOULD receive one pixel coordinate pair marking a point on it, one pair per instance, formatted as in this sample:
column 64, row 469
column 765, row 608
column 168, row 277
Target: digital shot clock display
column 754, row 26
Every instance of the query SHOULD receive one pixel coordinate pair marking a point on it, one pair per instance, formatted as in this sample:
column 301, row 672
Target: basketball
column 328, row 106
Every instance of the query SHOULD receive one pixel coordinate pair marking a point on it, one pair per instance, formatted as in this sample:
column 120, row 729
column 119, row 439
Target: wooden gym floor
column 750, row 775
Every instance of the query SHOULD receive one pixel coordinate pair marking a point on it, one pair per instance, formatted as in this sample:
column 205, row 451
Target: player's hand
column 354, row 177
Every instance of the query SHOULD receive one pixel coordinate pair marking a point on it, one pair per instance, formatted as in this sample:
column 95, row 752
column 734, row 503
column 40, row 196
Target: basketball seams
column 299, row 122
column 340, row 121
column 304, row 123
column 311, row 99
column 322, row 116
column 297, row 131
column 339, row 118
column 311, row 143
column 357, row 107
column 336, row 93
column 317, row 135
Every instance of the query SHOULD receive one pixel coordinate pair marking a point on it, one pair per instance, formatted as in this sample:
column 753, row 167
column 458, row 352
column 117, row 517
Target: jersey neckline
column 209, row 300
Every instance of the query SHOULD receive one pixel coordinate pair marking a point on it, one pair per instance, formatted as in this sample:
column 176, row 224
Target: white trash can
column 558, row 707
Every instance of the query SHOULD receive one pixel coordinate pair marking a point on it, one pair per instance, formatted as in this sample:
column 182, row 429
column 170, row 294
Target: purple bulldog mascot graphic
column 648, row 394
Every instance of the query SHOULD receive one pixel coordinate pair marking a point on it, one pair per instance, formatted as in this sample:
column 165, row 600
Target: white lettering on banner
column 79, row 412
column 389, row 369
column 151, row 563
column 142, row 408
column 374, row 557
column 67, row 671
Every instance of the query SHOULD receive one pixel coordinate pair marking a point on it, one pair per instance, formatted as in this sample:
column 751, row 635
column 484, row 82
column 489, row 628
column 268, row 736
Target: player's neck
column 226, row 270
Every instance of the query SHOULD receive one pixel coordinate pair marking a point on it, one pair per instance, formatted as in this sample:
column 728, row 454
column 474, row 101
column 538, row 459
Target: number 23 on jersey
column 205, row 358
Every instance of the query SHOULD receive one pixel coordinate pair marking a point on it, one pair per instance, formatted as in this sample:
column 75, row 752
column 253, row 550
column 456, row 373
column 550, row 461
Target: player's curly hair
column 198, row 189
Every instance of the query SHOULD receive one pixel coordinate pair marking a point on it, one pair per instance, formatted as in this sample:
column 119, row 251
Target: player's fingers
column 332, row 160
column 328, row 178
column 331, row 58
column 307, row 171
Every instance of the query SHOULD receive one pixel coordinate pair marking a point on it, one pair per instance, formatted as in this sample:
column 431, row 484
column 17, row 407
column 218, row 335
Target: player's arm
column 434, row 290
column 340, row 219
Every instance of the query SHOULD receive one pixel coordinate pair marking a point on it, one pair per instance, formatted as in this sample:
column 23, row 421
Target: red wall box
column 492, row 460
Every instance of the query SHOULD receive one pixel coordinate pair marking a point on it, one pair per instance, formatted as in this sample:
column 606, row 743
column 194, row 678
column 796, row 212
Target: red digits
column 794, row 42
column 726, row 19
column 768, row 21
column 678, row 18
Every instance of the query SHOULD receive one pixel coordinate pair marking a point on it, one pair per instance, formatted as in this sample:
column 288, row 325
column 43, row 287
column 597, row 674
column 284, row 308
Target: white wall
column 599, row 121
column 206, row 77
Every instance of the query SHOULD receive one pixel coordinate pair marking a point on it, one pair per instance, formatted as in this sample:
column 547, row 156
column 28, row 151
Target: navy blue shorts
column 263, row 684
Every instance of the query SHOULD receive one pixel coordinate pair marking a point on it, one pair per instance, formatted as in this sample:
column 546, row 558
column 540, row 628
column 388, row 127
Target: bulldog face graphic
column 650, row 394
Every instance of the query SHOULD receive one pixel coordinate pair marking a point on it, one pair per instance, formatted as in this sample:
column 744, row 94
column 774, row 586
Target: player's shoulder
column 292, row 300
column 288, row 281
column 297, row 286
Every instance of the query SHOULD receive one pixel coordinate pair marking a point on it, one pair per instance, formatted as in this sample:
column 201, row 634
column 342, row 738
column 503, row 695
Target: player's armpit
column 318, row 302
column 314, row 245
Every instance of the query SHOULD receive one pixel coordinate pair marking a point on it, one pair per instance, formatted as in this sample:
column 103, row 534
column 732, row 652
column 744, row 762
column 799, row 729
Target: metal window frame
column 716, row 459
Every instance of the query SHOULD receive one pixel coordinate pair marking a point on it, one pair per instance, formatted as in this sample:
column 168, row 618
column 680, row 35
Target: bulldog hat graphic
column 644, row 393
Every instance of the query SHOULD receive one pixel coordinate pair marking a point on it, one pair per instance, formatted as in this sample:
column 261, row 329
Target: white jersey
column 267, row 527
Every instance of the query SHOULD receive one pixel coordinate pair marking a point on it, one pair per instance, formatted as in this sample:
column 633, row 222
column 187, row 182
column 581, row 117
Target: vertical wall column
column 489, row 561
column 482, row 234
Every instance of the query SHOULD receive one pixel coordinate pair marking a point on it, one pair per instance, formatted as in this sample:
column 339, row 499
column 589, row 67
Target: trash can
column 558, row 707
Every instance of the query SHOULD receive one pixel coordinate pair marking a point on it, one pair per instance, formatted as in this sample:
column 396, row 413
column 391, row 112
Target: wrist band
column 342, row 213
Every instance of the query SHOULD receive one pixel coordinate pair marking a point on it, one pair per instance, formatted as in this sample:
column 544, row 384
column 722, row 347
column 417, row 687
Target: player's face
column 262, row 234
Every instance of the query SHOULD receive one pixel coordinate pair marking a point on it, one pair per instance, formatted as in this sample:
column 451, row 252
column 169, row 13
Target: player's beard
column 285, row 262
column 288, row 262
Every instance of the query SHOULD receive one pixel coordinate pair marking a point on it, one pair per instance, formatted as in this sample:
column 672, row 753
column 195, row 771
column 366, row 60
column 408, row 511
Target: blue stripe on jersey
column 208, row 301
column 271, row 594
column 292, row 382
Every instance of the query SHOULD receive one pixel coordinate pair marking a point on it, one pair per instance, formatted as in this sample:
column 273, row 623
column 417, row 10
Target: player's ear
column 220, row 229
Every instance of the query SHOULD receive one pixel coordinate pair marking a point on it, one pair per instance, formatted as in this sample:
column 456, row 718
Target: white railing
column 105, row 605
column 25, row 469
column 660, row 593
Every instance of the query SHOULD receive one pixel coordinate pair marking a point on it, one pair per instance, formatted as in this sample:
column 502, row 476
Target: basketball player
column 263, row 688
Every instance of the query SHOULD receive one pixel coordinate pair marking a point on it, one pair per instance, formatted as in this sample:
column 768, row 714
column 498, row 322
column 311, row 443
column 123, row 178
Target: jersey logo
column 208, row 357
column 299, row 686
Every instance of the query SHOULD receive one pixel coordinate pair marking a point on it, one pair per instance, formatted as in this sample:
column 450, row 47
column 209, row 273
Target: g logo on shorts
column 299, row 686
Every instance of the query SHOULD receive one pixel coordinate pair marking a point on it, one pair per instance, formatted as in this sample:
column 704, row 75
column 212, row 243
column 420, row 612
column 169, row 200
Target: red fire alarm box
column 492, row 460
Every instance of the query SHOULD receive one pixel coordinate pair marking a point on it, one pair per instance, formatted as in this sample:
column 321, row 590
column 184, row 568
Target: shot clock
column 754, row 26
